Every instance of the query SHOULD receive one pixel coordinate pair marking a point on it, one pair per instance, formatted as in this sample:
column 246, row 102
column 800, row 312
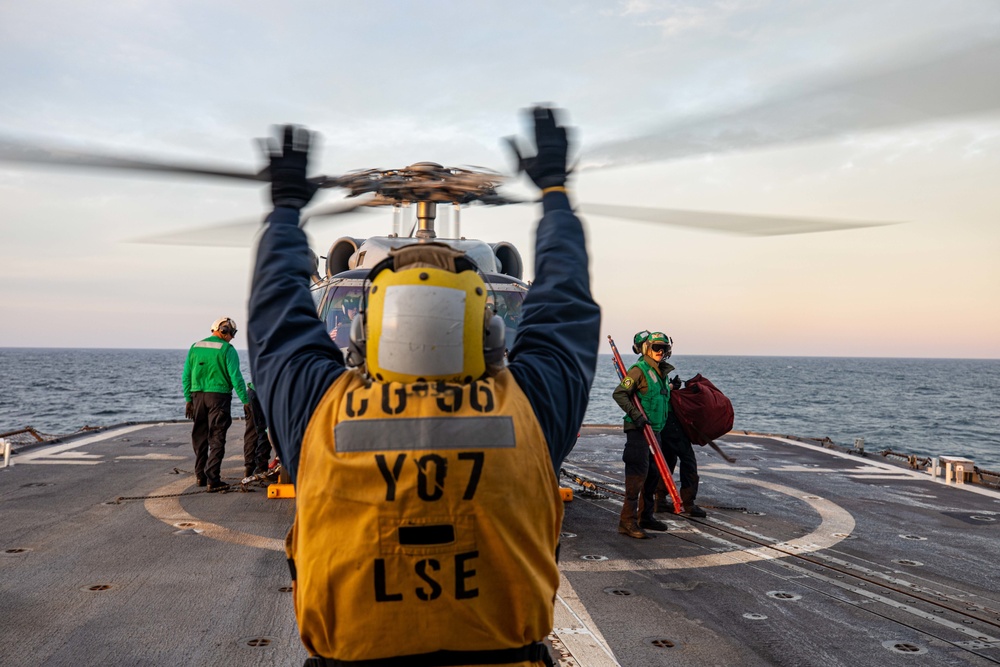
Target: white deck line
column 64, row 462
column 49, row 452
column 577, row 631
column 867, row 460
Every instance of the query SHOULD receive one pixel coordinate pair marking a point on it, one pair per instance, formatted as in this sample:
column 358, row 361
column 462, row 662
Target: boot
column 653, row 524
column 690, row 509
column 646, row 518
column 628, row 524
column 632, row 530
column 663, row 503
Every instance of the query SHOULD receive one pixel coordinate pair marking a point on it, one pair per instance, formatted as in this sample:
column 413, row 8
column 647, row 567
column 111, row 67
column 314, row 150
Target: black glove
column 548, row 168
column 640, row 422
column 189, row 410
column 289, row 187
column 676, row 382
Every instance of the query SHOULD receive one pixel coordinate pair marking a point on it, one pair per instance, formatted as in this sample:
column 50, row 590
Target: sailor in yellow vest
column 427, row 506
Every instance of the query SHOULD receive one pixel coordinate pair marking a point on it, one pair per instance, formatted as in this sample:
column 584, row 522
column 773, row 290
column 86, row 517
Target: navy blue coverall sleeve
column 292, row 359
column 555, row 354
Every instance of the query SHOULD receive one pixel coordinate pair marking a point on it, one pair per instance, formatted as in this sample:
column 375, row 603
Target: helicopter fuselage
column 339, row 293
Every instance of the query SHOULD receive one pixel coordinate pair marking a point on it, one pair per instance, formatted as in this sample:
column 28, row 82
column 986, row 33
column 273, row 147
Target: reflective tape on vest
column 425, row 512
column 378, row 435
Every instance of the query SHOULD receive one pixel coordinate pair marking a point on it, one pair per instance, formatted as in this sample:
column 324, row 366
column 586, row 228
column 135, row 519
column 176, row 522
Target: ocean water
column 927, row 407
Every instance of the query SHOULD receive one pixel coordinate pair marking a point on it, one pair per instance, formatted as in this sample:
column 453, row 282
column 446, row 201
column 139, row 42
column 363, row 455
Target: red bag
column 703, row 411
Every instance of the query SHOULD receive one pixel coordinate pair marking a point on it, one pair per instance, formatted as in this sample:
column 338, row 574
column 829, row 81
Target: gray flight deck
column 807, row 557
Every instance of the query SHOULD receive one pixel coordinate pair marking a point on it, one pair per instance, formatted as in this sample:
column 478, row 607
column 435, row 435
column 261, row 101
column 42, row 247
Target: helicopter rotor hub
column 422, row 182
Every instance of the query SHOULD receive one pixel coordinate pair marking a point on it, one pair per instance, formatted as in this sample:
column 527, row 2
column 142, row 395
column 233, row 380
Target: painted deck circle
column 835, row 524
column 171, row 512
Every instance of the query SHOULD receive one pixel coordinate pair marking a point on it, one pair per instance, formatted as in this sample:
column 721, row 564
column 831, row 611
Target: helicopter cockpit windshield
column 506, row 299
column 339, row 299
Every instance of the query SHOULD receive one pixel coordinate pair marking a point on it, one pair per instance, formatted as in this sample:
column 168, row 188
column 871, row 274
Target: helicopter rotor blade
column 60, row 156
column 235, row 234
column 729, row 223
column 240, row 233
column 914, row 89
column 337, row 208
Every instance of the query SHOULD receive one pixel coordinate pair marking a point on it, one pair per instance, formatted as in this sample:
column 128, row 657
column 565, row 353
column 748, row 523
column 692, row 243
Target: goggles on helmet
column 659, row 341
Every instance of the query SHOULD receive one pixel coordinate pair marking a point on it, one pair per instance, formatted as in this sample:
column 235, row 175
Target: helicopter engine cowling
column 509, row 259
column 338, row 258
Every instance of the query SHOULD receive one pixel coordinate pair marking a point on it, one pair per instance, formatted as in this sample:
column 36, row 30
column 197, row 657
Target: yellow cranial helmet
column 425, row 318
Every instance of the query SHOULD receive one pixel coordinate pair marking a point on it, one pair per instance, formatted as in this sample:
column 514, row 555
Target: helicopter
column 428, row 184
column 900, row 94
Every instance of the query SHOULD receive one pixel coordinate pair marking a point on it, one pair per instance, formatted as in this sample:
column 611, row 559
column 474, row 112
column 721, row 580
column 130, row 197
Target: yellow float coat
column 427, row 518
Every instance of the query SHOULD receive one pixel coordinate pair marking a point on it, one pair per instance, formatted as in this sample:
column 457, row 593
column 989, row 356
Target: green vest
column 656, row 400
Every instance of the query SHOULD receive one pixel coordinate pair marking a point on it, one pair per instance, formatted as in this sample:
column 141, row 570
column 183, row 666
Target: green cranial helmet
column 638, row 340
column 659, row 339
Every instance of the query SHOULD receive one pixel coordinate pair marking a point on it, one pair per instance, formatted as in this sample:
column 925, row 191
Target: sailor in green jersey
column 211, row 373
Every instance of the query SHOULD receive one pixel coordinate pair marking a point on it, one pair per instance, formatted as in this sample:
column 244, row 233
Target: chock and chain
column 242, row 487
column 592, row 489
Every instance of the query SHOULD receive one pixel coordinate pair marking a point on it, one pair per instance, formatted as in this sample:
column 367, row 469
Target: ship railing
column 988, row 477
column 915, row 462
column 23, row 436
column 927, row 464
column 28, row 436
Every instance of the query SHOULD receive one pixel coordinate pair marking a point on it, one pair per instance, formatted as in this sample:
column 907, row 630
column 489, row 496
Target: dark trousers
column 677, row 447
column 641, row 477
column 256, row 446
column 212, row 419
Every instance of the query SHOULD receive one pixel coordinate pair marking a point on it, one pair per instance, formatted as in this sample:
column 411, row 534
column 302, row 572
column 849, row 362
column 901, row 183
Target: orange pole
column 647, row 431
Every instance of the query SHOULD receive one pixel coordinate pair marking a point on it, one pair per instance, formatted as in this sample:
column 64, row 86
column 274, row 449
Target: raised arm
column 292, row 359
column 555, row 354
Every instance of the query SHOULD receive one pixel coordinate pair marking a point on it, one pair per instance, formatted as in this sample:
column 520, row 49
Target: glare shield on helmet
column 659, row 337
column 425, row 324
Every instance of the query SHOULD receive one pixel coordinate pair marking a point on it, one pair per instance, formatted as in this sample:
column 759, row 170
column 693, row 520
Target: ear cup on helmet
column 495, row 341
column 357, row 347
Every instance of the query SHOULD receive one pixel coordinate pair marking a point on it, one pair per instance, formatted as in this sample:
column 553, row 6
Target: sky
column 703, row 106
